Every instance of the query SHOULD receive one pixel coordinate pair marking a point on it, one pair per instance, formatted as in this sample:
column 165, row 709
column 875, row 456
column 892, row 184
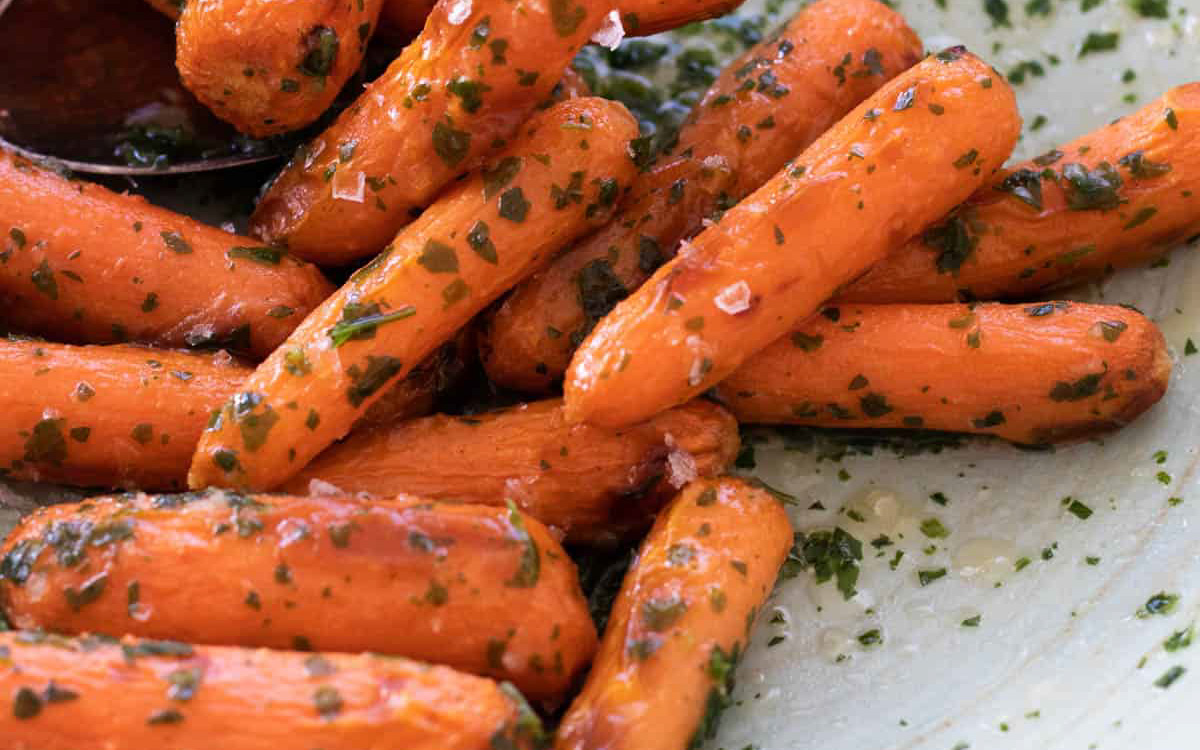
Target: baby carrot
column 1117, row 197
column 1032, row 374
column 401, row 20
column 106, row 416
column 775, row 257
column 95, row 692
column 592, row 483
column 81, row 264
column 484, row 590
column 455, row 95
column 270, row 66
column 686, row 607
column 802, row 79
column 557, row 180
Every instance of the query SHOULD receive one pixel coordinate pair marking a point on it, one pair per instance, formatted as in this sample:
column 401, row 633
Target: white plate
column 1059, row 659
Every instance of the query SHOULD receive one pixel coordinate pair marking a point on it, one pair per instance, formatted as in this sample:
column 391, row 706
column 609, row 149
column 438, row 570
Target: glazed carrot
column 456, row 93
column 683, row 616
column 401, row 20
column 558, row 179
column 484, row 590
column 773, row 259
column 804, row 78
column 267, row 66
column 1032, row 374
column 106, row 416
column 1117, row 197
column 592, row 483
column 81, row 264
column 70, row 693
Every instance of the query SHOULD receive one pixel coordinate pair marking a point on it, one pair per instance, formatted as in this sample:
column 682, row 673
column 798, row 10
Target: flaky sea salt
column 460, row 10
column 352, row 189
column 611, row 32
column 734, row 298
column 681, row 465
column 321, row 488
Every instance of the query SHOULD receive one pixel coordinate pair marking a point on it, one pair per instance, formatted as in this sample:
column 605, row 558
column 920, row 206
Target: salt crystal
column 611, row 32
column 353, row 192
column 321, row 488
column 681, row 465
column 734, row 298
column 459, row 11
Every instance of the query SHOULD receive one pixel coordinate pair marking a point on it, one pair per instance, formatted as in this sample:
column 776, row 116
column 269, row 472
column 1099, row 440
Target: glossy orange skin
column 530, row 338
column 924, row 362
column 106, row 416
column 649, row 685
column 447, row 584
column 117, row 247
column 593, row 484
column 245, row 59
column 1022, row 251
column 781, row 252
column 432, row 275
column 401, row 20
column 249, row 699
column 398, row 137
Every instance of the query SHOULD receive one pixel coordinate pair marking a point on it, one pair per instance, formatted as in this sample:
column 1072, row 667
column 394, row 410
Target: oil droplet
column 985, row 561
column 835, row 644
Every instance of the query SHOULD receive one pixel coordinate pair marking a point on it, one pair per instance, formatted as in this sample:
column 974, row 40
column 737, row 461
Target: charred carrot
column 764, row 109
column 776, row 256
column 1117, row 197
column 106, row 416
column 684, row 614
column 1032, row 374
column 459, row 91
column 68, row 693
column 560, row 178
column 81, row 264
column 484, row 590
column 592, row 483
column 267, row 66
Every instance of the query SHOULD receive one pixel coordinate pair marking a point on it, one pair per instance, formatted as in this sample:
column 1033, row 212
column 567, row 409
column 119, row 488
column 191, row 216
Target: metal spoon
column 92, row 85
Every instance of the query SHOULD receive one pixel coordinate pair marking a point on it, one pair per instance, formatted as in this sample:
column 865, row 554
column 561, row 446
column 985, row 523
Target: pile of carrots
column 811, row 250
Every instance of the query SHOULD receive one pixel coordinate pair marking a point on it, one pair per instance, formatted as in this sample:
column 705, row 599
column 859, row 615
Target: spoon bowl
column 92, row 85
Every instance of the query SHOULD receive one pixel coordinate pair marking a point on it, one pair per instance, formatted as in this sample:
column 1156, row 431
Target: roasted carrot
column 1033, row 374
column 106, row 416
column 558, row 179
column 92, row 692
column 456, row 94
column 646, row 17
column 776, row 256
column 1117, row 197
column 684, row 614
column 401, row 20
column 484, row 590
column 267, row 66
column 804, row 78
column 81, row 264
column 592, row 483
